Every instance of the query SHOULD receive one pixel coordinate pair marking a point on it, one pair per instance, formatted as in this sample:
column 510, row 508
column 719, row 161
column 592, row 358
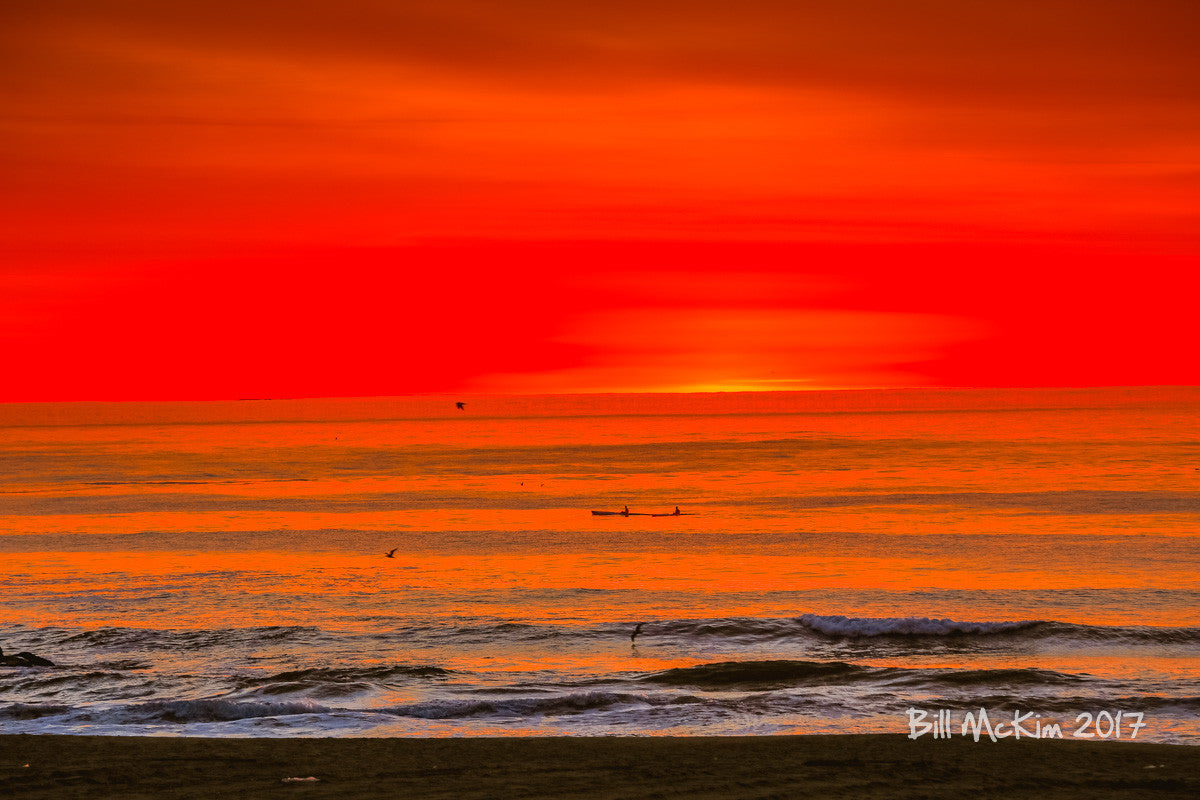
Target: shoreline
column 826, row 766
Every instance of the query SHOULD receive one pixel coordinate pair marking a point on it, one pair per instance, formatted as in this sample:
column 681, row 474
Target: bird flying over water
column 636, row 631
column 460, row 406
column 391, row 553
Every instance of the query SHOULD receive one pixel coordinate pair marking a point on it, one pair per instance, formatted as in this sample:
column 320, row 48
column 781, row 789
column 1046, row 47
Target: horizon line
column 599, row 393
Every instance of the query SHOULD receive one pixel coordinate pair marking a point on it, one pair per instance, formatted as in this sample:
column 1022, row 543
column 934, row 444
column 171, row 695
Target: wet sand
column 865, row 766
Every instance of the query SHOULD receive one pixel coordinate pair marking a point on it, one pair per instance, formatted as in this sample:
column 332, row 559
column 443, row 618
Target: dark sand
column 876, row 766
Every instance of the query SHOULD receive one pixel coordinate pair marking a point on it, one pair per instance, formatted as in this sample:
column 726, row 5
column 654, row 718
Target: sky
column 287, row 198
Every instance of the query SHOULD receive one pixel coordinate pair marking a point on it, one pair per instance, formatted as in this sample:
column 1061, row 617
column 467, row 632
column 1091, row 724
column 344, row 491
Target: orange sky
column 276, row 199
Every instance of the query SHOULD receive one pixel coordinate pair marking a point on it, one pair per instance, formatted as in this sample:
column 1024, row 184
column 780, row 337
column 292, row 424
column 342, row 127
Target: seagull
column 460, row 406
column 636, row 631
column 392, row 553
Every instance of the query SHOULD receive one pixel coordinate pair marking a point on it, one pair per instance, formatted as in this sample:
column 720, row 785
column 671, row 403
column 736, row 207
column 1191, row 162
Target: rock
column 24, row 659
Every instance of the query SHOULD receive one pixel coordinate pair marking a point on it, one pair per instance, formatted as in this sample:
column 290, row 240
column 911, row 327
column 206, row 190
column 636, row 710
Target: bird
column 460, row 406
column 391, row 553
column 636, row 631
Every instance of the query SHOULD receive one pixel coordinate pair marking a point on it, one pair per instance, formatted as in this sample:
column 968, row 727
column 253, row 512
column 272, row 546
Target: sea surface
column 220, row 569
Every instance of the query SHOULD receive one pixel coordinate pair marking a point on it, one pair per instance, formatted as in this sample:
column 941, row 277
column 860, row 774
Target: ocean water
column 219, row 569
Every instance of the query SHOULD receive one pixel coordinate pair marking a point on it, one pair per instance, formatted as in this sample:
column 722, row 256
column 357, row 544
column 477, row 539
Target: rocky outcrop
column 24, row 659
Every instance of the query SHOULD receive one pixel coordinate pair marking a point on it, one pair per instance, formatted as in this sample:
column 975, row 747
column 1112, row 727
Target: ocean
column 221, row 569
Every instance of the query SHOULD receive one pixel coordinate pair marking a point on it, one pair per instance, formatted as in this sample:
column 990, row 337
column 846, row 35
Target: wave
column 231, row 710
column 806, row 627
column 851, row 627
column 220, row 710
column 840, row 627
column 174, row 639
column 331, row 682
column 1028, row 677
column 28, row 711
column 759, row 674
column 47, row 680
column 557, row 705
column 777, row 674
column 213, row 710
column 157, row 711
column 746, row 628
column 616, row 707
column 897, row 630
column 1075, row 704
column 347, row 674
column 1099, row 634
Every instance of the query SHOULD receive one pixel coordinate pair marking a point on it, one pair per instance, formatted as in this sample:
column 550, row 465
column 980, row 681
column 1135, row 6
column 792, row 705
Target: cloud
column 1056, row 78
column 1031, row 46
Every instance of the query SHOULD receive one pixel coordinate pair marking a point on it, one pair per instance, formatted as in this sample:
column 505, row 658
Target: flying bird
column 392, row 553
column 460, row 406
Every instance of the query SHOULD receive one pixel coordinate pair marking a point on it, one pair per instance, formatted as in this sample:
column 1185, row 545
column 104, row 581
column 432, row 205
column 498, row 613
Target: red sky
column 281, row 199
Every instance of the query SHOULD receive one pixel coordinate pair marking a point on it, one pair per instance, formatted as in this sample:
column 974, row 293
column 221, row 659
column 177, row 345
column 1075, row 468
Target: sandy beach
column 863, row 766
